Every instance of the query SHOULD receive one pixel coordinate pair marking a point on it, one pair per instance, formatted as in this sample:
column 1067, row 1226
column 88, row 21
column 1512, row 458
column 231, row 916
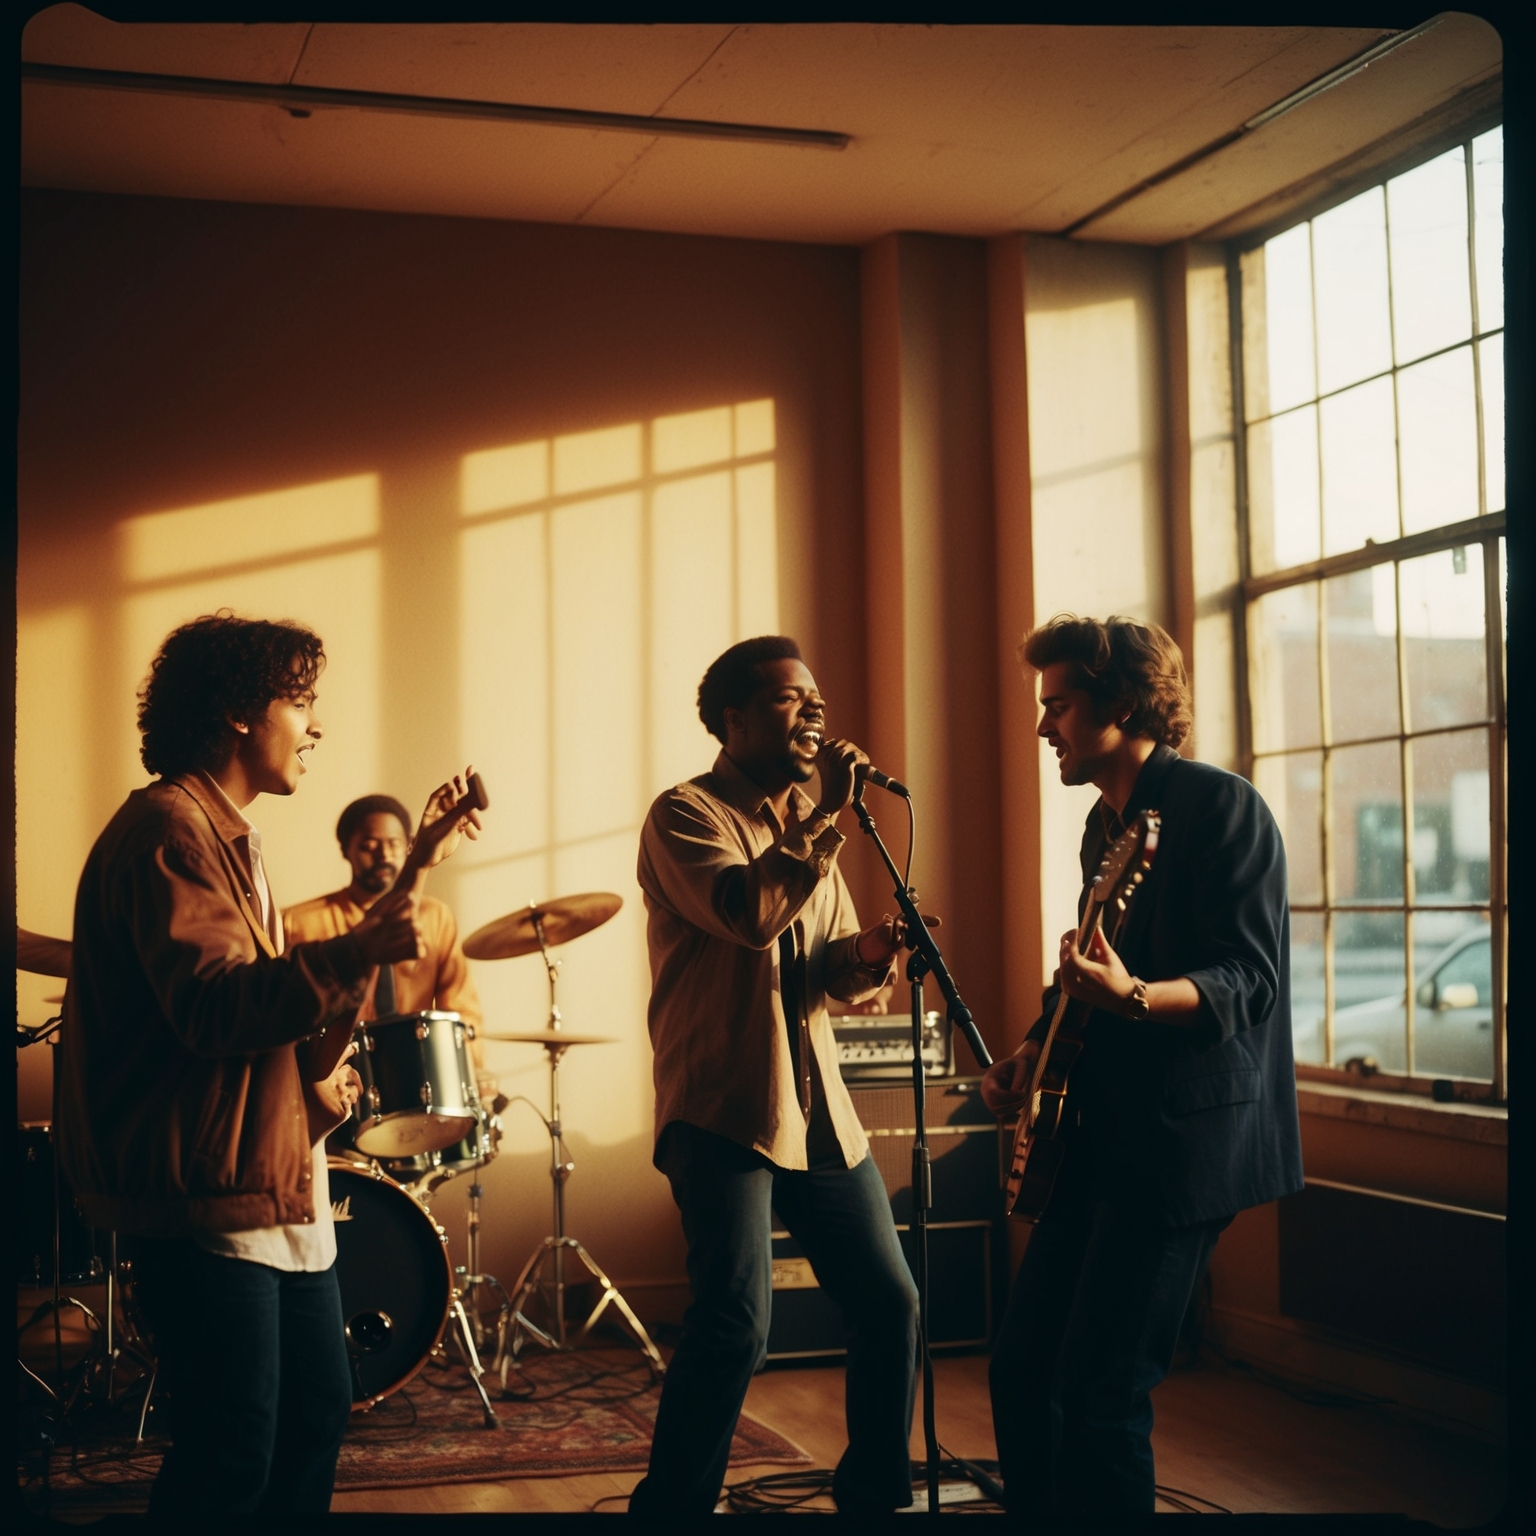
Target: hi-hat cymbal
column 547, row 1037
column 563, row 919
column 43, row 956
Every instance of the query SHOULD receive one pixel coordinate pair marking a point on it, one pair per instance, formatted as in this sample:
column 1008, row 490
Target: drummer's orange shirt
column 440, row 979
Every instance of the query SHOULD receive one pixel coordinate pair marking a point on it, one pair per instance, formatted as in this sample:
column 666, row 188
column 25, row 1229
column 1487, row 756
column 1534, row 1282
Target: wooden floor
column 1223, row 1436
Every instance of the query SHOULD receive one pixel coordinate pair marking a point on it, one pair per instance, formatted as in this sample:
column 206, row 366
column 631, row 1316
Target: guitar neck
column 1085, row 931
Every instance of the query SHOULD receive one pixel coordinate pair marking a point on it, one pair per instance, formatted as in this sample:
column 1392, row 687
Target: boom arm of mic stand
column 920, row 938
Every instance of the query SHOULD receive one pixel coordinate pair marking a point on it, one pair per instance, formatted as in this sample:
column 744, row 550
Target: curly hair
column 1119, row 664
column 213, row 670
column 370, row 805
column 735, row 675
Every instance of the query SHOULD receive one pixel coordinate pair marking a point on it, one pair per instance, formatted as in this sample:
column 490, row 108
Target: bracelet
column 1138, row 1006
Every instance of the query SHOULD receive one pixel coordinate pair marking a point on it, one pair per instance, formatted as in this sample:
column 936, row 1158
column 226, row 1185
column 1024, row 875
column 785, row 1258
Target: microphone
column 868, row 772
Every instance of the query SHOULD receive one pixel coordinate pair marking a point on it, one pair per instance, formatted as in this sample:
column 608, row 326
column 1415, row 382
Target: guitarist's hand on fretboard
column 440, row 802
column 1097, row 976
column 1005, row 1084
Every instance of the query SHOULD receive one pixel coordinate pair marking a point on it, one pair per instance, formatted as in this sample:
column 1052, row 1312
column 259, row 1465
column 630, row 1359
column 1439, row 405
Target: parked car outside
column 1453, row 1018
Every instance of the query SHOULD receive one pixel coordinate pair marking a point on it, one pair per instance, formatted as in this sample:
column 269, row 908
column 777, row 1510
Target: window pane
column 1292, row 787
column 1488, row 190
column 1369, row 990
column 1359, row 467
column 1362, row 654
column 1450, row 817
column 1431, row 291
column 1282, row 649
column 1288, row 319
column 1283, row 525
column 1490, row 358
column 1368, row 823
column 1307, row 996
column 1453, row 1017
column 1442, row 608
column 1349, row 266
column 1437, row 441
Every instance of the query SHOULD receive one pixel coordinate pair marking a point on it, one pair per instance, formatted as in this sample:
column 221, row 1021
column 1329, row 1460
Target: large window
column 1371, row 378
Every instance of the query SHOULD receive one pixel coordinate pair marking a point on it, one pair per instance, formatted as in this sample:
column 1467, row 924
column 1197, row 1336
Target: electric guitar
column 1038, row 1147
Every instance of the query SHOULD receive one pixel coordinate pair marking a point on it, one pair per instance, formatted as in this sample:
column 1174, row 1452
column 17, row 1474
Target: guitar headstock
column 1126, row 862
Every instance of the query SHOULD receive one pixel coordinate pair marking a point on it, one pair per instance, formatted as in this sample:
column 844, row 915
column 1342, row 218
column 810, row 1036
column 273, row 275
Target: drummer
column 375, row 835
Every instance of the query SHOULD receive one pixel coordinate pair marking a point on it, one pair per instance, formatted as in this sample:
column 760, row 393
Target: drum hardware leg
column 476, row 1370
column 561, row 1167
column 149, row 1392
column 556, row 1248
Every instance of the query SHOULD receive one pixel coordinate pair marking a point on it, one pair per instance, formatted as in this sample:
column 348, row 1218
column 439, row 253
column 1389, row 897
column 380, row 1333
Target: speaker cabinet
column 966, row 1253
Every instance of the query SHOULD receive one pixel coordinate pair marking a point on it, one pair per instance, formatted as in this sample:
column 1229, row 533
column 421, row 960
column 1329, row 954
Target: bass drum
column 396, row 1280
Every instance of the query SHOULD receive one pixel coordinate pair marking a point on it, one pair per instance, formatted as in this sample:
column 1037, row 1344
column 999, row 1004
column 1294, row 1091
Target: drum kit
column 418, row 1122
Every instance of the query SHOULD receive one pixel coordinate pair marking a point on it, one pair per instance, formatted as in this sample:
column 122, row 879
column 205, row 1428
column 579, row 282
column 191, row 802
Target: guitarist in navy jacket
column 1181, row 1110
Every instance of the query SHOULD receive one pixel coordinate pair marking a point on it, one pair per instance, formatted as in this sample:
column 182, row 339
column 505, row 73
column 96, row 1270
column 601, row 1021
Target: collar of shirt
column 735, row 788
column 248, row 834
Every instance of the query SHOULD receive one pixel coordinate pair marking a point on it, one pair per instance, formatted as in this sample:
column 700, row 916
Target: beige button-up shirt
column 722, row 880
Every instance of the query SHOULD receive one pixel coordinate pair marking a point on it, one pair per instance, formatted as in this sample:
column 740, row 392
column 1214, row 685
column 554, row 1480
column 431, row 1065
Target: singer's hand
column 878, row 945
column 838, row 763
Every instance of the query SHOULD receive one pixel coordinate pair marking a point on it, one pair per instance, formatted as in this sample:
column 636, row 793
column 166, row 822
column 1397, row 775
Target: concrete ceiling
column 968, row 130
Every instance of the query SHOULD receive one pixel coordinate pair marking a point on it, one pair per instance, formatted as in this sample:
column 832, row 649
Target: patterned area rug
column 588, row 1411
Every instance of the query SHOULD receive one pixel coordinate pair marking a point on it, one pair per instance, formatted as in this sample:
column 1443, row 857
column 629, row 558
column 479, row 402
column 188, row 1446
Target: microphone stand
column 924, row 960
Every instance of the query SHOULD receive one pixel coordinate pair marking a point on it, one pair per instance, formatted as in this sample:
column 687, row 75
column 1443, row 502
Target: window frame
column 1485, row 530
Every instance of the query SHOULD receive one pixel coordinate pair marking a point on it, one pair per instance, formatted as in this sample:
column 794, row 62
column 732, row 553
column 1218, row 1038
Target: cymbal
column 38, row 953
column 563, row 919
column 548, row 1037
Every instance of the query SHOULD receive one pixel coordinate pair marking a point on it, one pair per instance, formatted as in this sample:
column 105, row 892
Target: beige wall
column 526, row 481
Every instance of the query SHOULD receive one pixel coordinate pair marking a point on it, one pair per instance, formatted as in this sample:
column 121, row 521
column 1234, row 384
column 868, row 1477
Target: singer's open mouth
column 808, row 742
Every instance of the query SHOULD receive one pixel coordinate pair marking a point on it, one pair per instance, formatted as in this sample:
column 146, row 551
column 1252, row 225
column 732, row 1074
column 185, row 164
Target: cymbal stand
column 516, row 1327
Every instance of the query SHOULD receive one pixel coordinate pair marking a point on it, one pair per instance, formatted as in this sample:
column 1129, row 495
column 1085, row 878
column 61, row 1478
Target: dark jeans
column 1090, row 1330
column 254, row 1364
column 841, row 1217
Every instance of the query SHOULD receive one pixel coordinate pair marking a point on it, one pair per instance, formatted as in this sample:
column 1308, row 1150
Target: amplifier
column 877, row 1046
column 967, row 1252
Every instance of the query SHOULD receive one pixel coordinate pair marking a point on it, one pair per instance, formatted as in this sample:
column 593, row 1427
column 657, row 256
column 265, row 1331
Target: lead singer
column 750, row 929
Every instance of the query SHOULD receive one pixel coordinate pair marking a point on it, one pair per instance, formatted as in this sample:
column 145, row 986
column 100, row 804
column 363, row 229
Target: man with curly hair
column 1182, row 1108
column 201, row 1065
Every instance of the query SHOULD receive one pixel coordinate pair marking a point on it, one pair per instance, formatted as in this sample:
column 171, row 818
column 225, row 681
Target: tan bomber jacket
column 189, row 1047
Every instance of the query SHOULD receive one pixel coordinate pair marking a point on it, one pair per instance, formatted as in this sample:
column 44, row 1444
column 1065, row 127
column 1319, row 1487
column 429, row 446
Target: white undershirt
column 308, row 1246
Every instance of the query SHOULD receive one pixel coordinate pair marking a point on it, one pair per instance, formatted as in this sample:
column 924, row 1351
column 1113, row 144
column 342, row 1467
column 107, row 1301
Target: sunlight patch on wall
column 54, row 668
column 1096, row 482
column 587, row 620
column 275, row 525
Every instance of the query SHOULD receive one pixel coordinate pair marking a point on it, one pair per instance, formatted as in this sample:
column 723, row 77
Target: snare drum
column 395, row 1276
column 418, row 1093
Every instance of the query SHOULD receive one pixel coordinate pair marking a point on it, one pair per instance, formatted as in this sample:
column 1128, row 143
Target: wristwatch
column 1136, row 1006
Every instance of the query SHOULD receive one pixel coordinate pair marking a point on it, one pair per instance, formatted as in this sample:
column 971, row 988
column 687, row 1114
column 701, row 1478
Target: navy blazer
column 1197, row 1122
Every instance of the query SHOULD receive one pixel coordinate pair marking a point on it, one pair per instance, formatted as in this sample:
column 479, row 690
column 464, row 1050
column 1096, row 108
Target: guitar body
column 1039, row 1148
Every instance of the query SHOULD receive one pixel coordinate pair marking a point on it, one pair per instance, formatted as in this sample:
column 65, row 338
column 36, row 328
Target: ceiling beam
column 301, row 100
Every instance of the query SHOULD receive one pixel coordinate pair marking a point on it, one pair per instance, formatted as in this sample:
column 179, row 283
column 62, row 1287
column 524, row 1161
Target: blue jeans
column 1090, row 1330
column 841, row 1217
column 258, row 1387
